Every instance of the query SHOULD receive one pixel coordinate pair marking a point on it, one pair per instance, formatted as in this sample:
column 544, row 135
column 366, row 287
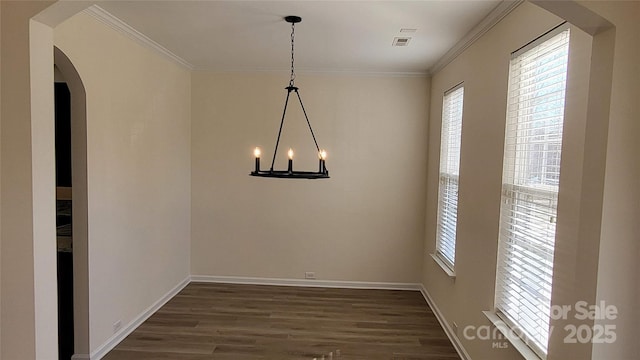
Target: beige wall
column 363, row 224
column 597, row 239
column 24, row 326
column 43, row 188
column 619, row 273
column 138, row 155
column 0, row 183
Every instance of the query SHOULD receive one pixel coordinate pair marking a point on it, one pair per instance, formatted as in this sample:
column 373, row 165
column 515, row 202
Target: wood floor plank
column 231, row 321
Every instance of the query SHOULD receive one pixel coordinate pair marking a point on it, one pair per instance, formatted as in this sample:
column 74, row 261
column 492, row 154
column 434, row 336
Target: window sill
column 513, row 339
column 449, row 271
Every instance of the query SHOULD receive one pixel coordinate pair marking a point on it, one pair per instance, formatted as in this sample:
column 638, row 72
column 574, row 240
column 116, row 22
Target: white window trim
column 447, row 265
column 504, row 325
column 516, row 341
column 443, row 264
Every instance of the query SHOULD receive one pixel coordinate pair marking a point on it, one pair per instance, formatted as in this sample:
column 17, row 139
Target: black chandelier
column 322, row 172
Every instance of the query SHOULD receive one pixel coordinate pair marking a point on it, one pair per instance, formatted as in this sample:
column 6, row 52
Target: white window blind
column 449, row 170
column 531, row 173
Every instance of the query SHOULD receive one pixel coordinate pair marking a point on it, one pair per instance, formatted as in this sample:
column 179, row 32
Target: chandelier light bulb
column 256, row 152
column 290, row 153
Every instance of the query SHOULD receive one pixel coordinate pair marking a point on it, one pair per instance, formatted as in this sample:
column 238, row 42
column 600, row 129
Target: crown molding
column 110, row 20
column 498, row 13
column 329, row 72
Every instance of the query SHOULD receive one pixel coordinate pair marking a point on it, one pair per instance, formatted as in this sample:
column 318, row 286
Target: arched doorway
column 78, row 197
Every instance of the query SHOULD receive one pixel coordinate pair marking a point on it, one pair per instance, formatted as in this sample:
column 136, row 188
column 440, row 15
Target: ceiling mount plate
column 292, row 19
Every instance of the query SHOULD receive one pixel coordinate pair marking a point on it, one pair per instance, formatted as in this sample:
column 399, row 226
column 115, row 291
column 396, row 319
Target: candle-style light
column 322, row 154
column 256, row 153
column 290, row 153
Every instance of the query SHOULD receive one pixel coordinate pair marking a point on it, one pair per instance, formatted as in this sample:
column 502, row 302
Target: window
column 449, row 170
column 531, row 173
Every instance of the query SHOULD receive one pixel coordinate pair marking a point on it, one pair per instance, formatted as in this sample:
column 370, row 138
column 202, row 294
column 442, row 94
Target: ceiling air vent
column 401, row 41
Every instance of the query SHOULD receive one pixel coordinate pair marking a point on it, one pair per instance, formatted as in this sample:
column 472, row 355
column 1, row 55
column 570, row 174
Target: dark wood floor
column 225, row 321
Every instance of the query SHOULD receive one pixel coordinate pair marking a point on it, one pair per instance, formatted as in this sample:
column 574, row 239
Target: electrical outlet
column 309, row 275
column 117, row 325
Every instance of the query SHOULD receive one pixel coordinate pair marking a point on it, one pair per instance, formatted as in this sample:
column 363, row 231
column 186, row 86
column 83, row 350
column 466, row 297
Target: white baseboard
column 445, row 325
column 306, row 282
column 114, row 340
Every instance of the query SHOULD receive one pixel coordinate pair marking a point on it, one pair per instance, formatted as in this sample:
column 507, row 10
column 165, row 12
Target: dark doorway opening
column 63, row 221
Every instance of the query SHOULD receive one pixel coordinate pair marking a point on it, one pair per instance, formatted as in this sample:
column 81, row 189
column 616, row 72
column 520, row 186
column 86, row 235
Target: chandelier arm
column 308, row 122
column 284, row 112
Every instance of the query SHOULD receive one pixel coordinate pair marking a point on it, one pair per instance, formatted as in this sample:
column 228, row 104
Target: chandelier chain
column 293, row 73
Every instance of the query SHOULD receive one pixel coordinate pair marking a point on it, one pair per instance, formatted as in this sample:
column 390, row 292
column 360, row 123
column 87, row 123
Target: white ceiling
column 351, row 36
